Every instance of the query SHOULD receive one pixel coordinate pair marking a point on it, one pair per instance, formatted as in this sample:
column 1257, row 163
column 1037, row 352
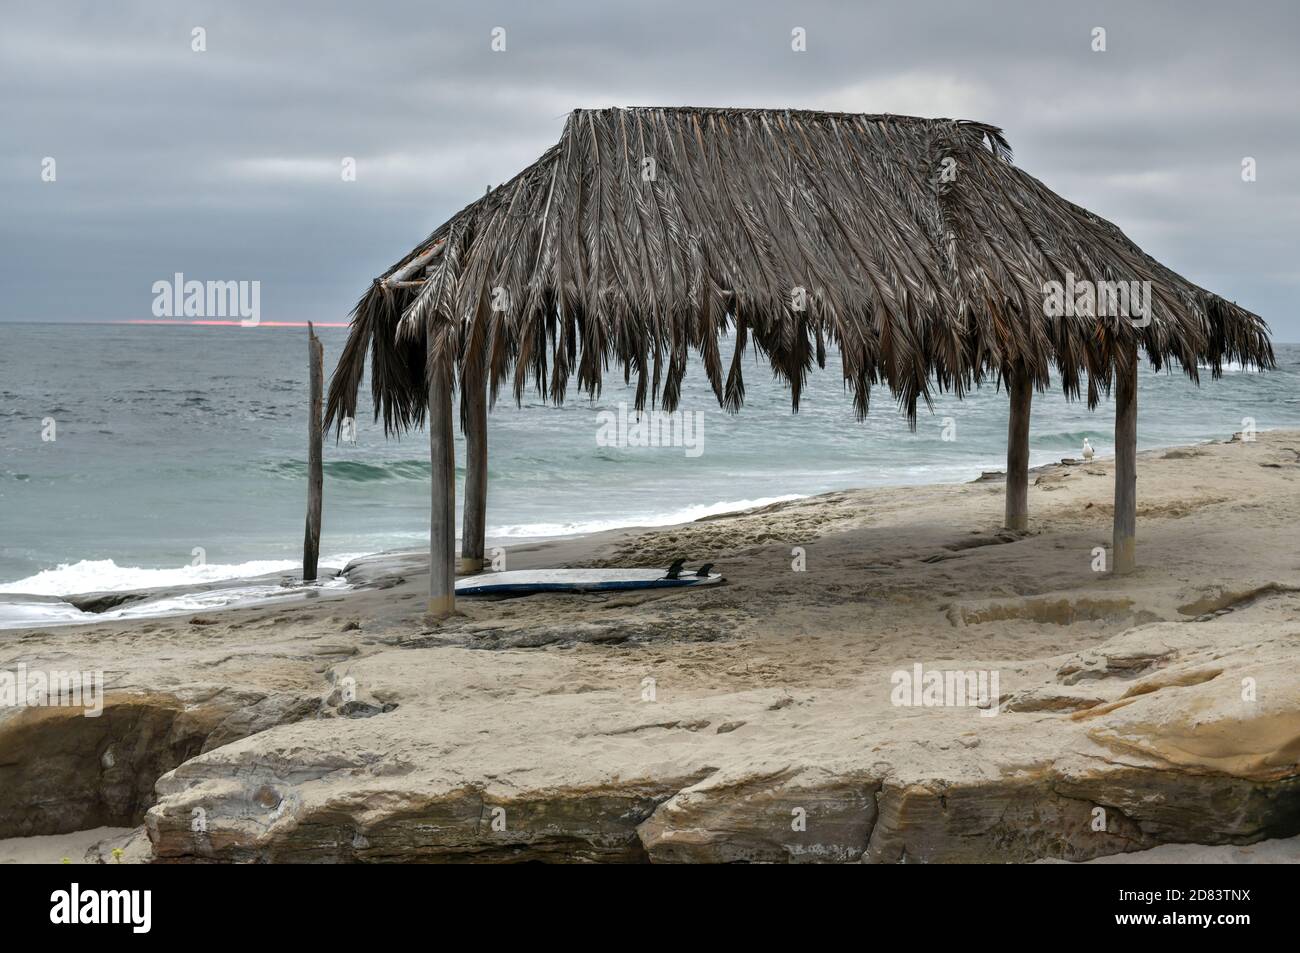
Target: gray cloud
column 224, row 164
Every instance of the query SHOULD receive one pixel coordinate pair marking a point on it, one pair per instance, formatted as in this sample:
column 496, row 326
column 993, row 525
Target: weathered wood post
column 315, row 477
column 1123, row 542
column 442, row 510
column 1020, row 389
column 473, row 531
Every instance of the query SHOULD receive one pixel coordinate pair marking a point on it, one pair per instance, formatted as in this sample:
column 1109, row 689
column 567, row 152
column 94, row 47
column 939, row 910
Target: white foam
column 24, row 614
column 1231, row 367
column 586, row 527
column 104, row 575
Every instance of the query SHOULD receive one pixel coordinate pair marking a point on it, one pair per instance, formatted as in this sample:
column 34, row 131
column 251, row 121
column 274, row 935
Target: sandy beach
column 758, row 720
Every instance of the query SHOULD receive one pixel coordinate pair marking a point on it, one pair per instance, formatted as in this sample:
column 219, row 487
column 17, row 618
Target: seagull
column 1087, row 451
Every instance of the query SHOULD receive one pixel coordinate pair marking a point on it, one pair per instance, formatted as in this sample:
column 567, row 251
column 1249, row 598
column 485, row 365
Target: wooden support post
column 1123, row 543
column 1021, row 391
column 315, row 477
column 442, row 511
column 473, row 531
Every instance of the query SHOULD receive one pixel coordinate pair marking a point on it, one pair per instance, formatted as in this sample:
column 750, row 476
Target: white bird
column 1087, row 451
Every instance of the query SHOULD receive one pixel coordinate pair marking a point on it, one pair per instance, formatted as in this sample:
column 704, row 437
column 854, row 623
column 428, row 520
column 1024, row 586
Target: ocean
column 178, row 453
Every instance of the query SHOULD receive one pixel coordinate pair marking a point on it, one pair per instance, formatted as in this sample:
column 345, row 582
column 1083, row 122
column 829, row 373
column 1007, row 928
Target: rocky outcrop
column 1167, row 750
column 61, row 771
column 795, row 817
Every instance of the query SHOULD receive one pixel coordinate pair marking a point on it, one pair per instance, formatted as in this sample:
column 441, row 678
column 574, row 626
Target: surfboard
column 525, row 581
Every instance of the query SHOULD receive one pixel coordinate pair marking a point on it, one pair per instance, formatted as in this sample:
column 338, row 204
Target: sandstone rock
column 1168, row 759
column 787, row 817
column 61, row 771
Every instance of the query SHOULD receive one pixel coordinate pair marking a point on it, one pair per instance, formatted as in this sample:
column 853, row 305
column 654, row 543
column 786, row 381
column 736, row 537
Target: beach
column 784, row 716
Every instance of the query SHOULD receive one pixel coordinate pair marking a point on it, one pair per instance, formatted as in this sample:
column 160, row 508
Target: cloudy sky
column 225, row 164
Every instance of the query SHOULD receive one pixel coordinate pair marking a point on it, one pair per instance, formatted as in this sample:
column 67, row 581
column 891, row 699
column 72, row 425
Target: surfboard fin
column 703, row 571
column 675, row 570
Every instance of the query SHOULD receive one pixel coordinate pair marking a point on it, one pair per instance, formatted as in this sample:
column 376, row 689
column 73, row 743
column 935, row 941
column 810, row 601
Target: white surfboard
column 524, row 581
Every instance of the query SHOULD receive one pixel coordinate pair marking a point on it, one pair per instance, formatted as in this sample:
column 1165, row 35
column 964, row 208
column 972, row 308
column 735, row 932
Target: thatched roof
column 645, row 233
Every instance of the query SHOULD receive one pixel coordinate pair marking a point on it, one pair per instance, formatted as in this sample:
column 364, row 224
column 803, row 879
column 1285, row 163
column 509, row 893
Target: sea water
column 177, row 453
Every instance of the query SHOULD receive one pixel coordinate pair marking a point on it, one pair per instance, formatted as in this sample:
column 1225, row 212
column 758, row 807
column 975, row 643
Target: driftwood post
column 315, row 477
column 473, row 531
column 442, row 510
column 1021, row 391
column 1123, row 543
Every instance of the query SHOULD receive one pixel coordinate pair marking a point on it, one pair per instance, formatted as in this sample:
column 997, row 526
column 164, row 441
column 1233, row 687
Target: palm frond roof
column 914, row 247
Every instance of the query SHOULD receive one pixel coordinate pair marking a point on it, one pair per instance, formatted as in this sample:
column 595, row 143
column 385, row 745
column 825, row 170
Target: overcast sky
column 225, row 164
